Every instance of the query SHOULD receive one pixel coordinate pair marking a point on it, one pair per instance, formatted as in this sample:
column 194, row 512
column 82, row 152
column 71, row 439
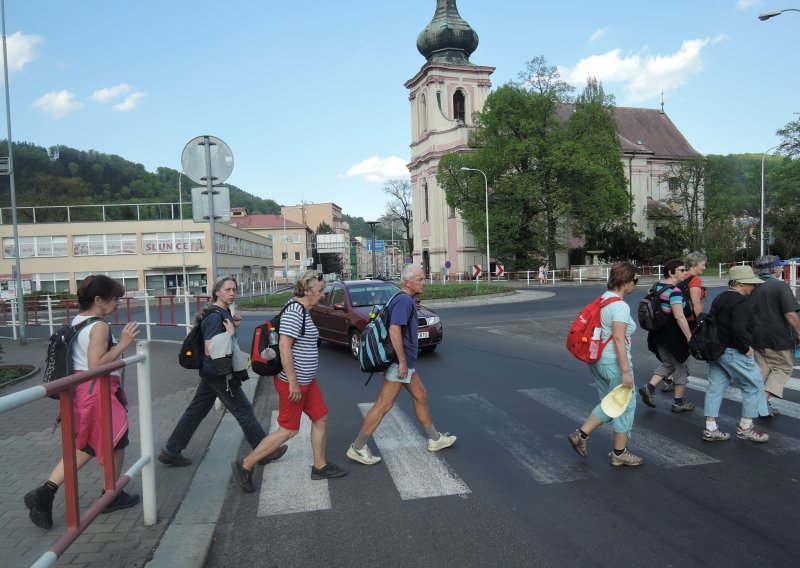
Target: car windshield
column 372, row 294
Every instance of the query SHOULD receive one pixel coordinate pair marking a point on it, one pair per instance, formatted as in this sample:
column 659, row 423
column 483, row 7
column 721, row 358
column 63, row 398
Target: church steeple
column 448, row 38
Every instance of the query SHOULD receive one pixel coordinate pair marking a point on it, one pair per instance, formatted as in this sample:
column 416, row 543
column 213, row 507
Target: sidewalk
column 29, row 449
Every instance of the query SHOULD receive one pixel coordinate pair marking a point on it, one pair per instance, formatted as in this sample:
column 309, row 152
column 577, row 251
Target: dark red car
column 344, row 310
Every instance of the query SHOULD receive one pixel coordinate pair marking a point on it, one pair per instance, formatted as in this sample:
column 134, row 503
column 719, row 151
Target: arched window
column 425, row 199
column 423, row 113
column 459, row 106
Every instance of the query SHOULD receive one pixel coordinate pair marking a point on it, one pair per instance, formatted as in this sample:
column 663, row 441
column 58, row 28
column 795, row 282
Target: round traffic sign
column 193, row 160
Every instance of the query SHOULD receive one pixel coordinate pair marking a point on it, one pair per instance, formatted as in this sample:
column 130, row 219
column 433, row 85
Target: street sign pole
column 211, row 225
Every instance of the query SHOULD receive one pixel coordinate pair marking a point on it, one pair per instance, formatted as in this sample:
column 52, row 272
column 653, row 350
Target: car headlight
column 432, row 320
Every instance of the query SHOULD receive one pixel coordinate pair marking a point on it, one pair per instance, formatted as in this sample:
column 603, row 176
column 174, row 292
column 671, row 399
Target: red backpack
column 583, row 338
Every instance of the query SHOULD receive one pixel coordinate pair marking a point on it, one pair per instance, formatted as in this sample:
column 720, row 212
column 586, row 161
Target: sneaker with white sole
column 578, row 443
column 445, row 441
column 715, row 435
column 682, row 407
column 364, row 455
column 751, row 434
column 626, row 458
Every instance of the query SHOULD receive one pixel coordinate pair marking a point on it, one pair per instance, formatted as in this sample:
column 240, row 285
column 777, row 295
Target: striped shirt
column 669, row 294
column 305, row 353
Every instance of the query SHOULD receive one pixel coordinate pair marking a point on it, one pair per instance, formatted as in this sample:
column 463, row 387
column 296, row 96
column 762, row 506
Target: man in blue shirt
column 402, row 374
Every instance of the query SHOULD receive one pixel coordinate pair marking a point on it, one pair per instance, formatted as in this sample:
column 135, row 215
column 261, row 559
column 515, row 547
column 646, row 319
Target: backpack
column 192, row 348
column 705, row 345
column 651, row 316
column 375, row 350
column 683, row 285
column 583, row 337
column 59, row 351
column 266, row 335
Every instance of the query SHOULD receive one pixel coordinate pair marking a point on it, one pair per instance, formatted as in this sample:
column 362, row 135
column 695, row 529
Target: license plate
column 423, row 334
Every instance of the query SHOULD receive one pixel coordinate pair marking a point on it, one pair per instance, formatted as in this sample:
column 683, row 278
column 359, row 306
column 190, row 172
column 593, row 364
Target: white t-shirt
column 616, row 311
column 80, row 358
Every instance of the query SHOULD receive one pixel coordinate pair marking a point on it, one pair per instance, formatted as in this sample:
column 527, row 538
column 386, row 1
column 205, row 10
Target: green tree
column 790, row 138
column 399, row 207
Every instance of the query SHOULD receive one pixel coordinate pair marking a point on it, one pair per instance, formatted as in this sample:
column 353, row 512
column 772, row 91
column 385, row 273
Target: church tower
column 444, row 94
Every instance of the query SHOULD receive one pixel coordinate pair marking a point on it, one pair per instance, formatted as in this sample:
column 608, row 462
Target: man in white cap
column 773, row 317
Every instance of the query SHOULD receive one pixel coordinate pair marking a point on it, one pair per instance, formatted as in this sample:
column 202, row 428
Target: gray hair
column 693, row 259
column 408, row 271
column 762, row 265
column 218, row 285
column 305, row 282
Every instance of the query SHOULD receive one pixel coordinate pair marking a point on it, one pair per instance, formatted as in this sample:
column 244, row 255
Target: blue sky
column 310, row 98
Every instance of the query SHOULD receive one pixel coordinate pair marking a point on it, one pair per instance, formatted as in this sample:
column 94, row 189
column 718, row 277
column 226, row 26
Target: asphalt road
column 512, row 492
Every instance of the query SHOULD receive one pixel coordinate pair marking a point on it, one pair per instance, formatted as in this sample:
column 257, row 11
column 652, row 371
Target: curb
column 24, row 377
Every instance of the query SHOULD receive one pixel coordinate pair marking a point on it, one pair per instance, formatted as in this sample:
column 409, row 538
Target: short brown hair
column 620, row 274
column 96, row 285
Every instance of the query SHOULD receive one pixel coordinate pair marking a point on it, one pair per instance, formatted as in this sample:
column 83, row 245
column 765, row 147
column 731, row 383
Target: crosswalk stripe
column 785, row 407
column 286, row 486
column 544, row 464
column 656, row 448
column 416, row 472
column 792, row 383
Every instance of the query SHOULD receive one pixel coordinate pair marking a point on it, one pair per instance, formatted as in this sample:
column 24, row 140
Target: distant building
column 445, row 93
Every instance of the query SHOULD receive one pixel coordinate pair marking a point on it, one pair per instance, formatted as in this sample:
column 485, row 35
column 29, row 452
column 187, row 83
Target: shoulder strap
column 609, row 300
column 413, row 311
column 85, row 322
column 289, row 303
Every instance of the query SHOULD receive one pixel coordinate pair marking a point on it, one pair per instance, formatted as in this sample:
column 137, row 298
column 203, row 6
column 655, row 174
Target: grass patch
column 432, row 292
column 11, row 373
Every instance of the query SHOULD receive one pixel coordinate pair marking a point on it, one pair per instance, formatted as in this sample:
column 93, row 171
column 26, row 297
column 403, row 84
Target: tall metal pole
column 12, row 187
column 761, row 239
column 372, row 226
column 285, row 252
column 486, row 189
column 183, row 242
column 211, row 226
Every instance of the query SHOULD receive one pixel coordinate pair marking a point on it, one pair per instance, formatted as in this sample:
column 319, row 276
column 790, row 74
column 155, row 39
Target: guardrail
column 65, row 388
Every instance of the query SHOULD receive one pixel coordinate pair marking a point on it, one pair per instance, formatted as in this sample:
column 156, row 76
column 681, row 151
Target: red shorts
column 311, row 402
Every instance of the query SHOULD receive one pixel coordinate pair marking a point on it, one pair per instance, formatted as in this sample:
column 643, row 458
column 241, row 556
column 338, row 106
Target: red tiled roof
column 268, row 221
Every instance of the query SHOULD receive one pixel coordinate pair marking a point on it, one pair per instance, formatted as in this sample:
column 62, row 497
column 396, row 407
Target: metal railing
column 65, row 389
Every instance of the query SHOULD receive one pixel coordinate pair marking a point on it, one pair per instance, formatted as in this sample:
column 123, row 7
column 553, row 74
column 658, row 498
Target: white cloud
column 129, row 103
column 58, row 103
column 643, row 76
column 110, row 93
column 377, row 170
column 747, row 4
column 598, row 34
column 21, row 49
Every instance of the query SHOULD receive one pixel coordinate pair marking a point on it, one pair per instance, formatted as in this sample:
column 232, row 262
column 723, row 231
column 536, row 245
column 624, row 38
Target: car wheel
column 354, row 343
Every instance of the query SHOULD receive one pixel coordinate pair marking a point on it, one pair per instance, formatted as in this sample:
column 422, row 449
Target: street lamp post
column 372, row 225
column 761, row 239
column 486, row 188
column 768, row 15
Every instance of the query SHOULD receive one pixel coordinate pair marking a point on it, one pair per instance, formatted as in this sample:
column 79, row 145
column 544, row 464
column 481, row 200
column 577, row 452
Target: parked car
column 344, row 310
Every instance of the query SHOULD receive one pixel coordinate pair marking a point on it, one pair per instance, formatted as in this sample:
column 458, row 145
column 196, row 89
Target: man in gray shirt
column 772, row 320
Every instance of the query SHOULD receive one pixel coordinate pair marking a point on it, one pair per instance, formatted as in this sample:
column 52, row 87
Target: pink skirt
column 88, row 427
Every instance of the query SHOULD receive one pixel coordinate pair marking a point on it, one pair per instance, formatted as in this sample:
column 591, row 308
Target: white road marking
column 286, row 485
column 793, row 384
column 544, row 464
column 416, row 472
column 785, row 407
column 658, row 449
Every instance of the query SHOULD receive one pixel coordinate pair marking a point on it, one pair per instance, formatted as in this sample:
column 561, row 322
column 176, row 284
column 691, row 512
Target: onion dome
column 448, row 38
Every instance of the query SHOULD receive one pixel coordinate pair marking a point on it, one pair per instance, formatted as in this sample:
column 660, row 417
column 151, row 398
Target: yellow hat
column 615, row 402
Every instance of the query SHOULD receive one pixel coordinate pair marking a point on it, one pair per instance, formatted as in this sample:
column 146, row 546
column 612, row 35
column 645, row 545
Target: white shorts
column 392, row 374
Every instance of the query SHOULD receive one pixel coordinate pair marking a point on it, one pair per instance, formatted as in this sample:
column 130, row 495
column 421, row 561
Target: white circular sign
column 193, row 160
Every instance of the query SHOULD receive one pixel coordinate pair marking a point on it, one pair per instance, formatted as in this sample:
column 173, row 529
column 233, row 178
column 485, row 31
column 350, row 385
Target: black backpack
column 651, row 316
column 192, row 348
column 683, row 286
column 261, row 340
column 705, row 345
column 59, row 351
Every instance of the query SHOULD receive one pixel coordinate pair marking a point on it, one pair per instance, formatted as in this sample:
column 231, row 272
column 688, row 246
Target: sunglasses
column 635, row 281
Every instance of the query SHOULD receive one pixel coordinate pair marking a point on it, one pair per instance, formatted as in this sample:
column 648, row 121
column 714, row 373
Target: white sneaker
column 445, row 441
column 364, row 455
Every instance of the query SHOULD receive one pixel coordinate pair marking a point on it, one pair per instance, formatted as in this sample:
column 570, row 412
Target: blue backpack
column 375, row 350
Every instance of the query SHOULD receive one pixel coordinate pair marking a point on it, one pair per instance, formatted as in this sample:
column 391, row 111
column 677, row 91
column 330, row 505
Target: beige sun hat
column 744, row 275
column 616, row 401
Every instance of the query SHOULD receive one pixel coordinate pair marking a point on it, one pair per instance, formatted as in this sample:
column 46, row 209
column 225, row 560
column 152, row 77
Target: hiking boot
column 682, row 407
column 244, row 477
column 627, row 458
column 667, row 386
column 364, row 455
column 715, row 435
column 751, row 434
column 121, row 501
column 445, row 441
column 578, row 443
column 327, row 471
column 773, row 412
column 175, row 460
column 276, row 455
column 647, row 398
column 40, row 505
